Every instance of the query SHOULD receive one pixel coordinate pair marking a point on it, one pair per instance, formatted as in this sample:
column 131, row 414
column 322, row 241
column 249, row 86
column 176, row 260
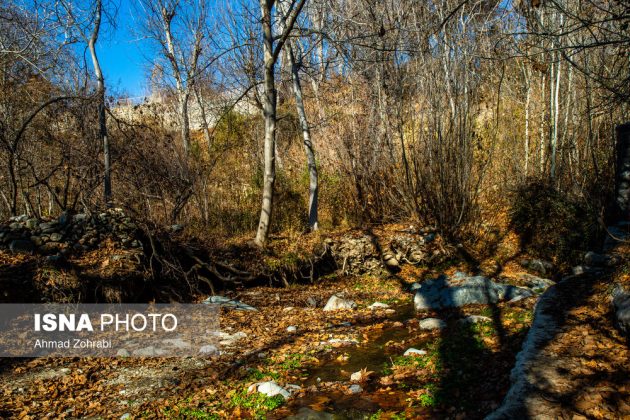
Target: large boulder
column 462, row 290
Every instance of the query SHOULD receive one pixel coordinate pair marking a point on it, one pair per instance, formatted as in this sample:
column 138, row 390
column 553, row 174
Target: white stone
column 356, row 377
column 377, row 305
column 337, row 303
column 271, row 389
column 473, row 319
column 432, row 324
column 291, row 328
column 412, row 351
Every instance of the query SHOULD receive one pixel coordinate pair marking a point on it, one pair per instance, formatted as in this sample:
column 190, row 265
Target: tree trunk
column 184, row 122
column 102, row 121
column 308, row 144
column 269, row 113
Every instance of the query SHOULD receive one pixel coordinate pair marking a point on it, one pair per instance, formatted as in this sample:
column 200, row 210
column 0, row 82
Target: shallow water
column 372, row 354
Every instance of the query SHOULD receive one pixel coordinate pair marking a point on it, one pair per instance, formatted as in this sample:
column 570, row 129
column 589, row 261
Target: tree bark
column 313, row 185
column 269, row 113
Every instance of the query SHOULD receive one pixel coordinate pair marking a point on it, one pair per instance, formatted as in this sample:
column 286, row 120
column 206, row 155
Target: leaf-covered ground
column 464, row 373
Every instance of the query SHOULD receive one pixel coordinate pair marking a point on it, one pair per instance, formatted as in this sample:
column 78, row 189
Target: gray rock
column 149, row 351
column 50, row 247
column 15, row 226
column 55, row 259
column 79, row 218
column 123, row 353
column 414, row 352
column 378, row 305
column 64, row 218
column 21, row 246
column 56, row 237
column 355, row 389
column 291, row 329
column 432, row 324
column 177, row 228
column 391, row 261
column 337, row 303
column 600, row 260
column 209, row 349
column 540, row 266
column 20, row 218
column 229, row 303
column 32, row 223
column 459, row 291
column 125, row 416
column 537, row 284
column 312, row 302
column 621, row 305
column 231, row 339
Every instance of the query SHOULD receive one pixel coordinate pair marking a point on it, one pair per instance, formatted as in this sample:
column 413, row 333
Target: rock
column 621, row 306
column 32, row 223
column 50, row 247
column 15, row 226
column 355, row 389
column 391, row 261
column 415, row 286
column 339, row 342
column 291, row 329
column 336, row 303
column 356, row 377
column 79, row 218
column 474, row 319
column 64, row 218
column 537, row 284
column 176, row 228
column 231, row 339
column 125, row 416
column 55, row 259
column 540, row 266
column 600, row 260
column 229, row 303
column 306, row 413
column 37, row 241
column 271, row 389
column 459, row 291
column 123, row 353
column 378, row 305
column 310, row 301
column 56, row 237
column 20, row 218
column 48, row 227
column 414, row 352
column 148, row 351
column 21, row 246
column 208, row 349
column 432, row 324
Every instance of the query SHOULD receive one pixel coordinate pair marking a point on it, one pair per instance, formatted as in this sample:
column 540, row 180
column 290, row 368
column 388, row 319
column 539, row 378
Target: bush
column 552, row 223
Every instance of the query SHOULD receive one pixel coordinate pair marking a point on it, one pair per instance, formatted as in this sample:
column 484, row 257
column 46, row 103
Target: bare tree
column 86, row 23
column 272, row 46
column 179, row 28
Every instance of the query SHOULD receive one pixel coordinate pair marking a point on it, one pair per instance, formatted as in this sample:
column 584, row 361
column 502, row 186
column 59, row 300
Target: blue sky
column 124, row 57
